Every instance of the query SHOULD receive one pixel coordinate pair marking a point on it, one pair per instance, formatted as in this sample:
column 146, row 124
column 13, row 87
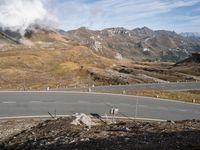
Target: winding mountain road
column 172, row 86
column 37, row 103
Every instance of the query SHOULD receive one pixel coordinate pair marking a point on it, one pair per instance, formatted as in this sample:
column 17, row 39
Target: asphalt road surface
column 66, row 103
column 137, row 87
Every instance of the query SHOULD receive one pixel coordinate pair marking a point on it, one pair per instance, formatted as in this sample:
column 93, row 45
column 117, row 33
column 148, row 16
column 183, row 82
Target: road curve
column 66, row 103
column 172, row 86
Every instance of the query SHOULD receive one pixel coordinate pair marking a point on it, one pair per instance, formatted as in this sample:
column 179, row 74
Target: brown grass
column 186, row 96
column 37, row 69
column 57, row 62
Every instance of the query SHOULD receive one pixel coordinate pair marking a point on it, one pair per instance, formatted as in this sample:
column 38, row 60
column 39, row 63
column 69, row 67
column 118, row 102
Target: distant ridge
column 117, row 43
column 136, row 44
column 190, row 34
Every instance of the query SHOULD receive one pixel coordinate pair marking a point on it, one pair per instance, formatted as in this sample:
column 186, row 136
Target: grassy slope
column 186, row 96
column 49, row 59
column 46, row 67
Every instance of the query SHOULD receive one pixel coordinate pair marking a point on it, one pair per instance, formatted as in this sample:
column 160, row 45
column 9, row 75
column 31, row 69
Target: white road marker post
column 123, row 92
column 89, row 90
column 113, row 112
column 55, row 113
column 106, row 117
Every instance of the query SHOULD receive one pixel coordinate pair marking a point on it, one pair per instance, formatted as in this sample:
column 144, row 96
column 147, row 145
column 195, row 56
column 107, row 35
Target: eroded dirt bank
column 123, row 135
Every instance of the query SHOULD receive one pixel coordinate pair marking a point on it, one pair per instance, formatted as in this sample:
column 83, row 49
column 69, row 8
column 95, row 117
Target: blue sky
column 176, row 15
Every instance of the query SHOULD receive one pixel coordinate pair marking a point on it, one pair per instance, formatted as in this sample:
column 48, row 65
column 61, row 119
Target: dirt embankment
column 123, row 135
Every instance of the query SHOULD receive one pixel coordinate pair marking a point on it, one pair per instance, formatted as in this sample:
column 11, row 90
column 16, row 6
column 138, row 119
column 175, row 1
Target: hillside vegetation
column 48, row 59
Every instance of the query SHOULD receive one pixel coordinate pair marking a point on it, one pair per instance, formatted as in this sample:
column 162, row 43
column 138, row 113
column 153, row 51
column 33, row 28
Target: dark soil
column 124, row 135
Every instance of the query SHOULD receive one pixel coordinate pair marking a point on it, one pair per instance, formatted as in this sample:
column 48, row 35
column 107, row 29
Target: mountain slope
column 46, row 58
column 137, row 44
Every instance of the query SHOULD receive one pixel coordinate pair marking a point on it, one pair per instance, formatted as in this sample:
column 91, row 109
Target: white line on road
column 161, row 108
column 35, row 102
column 182, row 110
column 143, row 106
column 9, row 102
column 83, row 102
column 97, row 93
column 47, row 116
column 125, row 104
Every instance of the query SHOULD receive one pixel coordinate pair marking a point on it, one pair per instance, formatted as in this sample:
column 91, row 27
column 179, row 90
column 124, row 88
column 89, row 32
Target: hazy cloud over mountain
column 17, row 15
column 178, row 15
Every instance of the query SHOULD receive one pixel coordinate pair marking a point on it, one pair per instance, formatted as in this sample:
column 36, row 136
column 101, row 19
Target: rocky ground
column 9, row 128
column 122, row 135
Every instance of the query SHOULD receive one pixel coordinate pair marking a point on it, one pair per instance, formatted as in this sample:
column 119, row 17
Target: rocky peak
column 117, row 31
column 140, row 42
column 143, row 32
column 167, row 33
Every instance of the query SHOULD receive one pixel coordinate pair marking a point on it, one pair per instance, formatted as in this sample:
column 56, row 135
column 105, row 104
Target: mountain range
column 137, row 44
column 57, row 59
column 190, row 34
column 120, row 43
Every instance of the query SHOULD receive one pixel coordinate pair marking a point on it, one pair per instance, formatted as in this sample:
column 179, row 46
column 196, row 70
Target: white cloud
column 17, row 15
column 96, row 15
column 109, row 13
